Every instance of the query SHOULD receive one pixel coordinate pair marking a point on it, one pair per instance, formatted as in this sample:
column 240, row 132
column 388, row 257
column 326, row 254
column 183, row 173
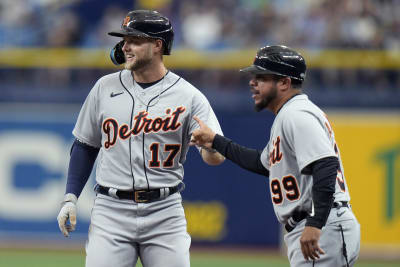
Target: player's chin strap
column 344, row 246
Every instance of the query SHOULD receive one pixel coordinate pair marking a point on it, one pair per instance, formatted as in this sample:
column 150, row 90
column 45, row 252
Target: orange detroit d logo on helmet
column 126, row 20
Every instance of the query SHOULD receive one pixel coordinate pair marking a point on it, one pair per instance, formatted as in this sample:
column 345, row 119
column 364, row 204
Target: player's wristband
column 69, row 198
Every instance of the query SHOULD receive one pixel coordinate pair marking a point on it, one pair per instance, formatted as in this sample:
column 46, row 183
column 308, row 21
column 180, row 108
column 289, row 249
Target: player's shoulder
column 181, row 82
column 182, row 85
column 109, row 82
column 110, row 78
column 298, row 107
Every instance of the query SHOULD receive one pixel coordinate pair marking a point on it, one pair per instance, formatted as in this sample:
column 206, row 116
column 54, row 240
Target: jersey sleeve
column 203, row 110
column 87, row 128
column 308, row 137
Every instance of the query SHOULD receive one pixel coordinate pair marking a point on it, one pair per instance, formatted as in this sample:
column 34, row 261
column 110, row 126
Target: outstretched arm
column 246, row 158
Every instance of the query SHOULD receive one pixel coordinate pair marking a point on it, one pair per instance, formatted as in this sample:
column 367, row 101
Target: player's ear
column 159, row 45
column 284, row 82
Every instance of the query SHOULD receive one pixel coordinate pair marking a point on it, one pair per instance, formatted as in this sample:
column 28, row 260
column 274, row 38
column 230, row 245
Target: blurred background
column 52, row 52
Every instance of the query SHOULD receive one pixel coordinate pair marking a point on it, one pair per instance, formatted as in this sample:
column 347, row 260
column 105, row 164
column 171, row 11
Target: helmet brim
column 131, row 32
column 254, row 69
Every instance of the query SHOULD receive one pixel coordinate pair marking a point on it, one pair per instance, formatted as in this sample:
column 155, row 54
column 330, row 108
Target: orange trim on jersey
column 175, row 124
column 329, row 128
column 156, row 121
column 147, row 125
column 275, row 155
column 340, row 180
column 173, row 150
column 142, row 124
column 328, row 125
column 106, row 126
column 155, row 161
column 289, row 183
column 275, row 187
column 335, row 147
column 137, row 128
column 123, row 130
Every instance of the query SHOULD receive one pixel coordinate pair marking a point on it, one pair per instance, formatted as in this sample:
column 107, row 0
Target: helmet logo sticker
column 126, row 20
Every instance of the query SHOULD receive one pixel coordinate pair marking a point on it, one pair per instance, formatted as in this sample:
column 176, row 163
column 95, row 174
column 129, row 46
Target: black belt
column 298, row 216
column 140, row 196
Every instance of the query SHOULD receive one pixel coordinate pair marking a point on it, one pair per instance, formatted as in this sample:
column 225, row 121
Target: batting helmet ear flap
column 116, row 54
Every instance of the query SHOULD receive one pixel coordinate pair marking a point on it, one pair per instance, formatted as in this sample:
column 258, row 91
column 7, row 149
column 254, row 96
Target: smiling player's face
column 138, row 52
column 264, row 91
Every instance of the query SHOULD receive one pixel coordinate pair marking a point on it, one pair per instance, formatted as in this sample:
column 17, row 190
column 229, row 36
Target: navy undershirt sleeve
column 324, row 172
column 246, row 158
column 81, row 164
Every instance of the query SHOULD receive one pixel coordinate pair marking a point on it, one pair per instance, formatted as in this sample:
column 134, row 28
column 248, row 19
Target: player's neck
column 150, row 74
column 284, row 99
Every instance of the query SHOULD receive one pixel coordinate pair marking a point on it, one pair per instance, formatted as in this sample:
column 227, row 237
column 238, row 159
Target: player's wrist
column 310, row 222
column 69, row 198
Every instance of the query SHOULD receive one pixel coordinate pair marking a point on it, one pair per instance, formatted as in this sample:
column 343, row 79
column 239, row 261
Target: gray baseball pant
column 331, row 241
column 122, row 230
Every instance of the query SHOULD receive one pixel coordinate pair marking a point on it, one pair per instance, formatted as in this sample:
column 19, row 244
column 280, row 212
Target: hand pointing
column 202, row 136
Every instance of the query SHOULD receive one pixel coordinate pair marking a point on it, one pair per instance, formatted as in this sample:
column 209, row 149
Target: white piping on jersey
column 158, row 95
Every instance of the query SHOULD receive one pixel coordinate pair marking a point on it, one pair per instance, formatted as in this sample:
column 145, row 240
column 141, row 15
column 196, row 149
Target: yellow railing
column 190, row 59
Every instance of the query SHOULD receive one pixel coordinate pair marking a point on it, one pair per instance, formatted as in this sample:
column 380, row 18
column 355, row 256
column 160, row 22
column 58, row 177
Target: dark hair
column 295, row 83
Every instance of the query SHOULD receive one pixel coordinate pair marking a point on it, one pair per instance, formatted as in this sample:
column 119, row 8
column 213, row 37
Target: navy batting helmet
column 149, row 24
column 279, row 60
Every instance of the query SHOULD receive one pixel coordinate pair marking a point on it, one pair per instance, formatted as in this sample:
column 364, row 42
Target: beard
column 137, row 64
column 266, row 100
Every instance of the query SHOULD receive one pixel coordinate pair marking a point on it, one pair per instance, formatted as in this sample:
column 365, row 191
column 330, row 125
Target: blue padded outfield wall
column 225, row 205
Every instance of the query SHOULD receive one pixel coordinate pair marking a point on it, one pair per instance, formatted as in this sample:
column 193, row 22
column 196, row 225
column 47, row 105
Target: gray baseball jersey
column 300, row 135
column 143, row 134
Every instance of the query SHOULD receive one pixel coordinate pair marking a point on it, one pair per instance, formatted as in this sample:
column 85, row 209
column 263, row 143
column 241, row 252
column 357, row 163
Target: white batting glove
column 68, row 211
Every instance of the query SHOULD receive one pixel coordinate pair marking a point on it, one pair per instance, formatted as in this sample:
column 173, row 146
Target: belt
column 298, row 216
column 140, row 196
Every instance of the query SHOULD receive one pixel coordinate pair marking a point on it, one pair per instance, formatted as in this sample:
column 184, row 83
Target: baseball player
column 308, row 188
column 137, row 123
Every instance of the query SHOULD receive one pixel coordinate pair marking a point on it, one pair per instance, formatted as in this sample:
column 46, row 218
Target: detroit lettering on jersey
column 142, row 123
column 275, row 155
